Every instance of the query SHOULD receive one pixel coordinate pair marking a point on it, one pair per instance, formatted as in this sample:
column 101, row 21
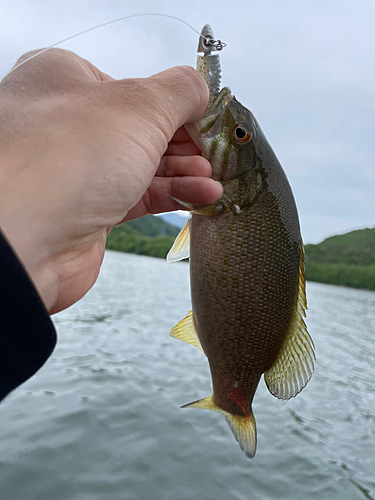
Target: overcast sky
column 305, row 69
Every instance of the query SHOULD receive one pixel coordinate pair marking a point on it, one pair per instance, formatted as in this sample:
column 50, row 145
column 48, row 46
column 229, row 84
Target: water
column 102, row 419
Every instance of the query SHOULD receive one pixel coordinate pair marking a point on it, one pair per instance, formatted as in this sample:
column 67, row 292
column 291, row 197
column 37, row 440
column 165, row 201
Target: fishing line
column 209, row 41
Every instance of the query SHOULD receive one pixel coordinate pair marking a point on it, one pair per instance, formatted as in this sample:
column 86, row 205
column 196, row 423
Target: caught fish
column 246, row 264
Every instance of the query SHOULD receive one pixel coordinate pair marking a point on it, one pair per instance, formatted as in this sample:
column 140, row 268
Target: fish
column 246, row 264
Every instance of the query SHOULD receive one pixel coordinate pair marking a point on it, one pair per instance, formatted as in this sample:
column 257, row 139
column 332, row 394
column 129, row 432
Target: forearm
column 27, row 335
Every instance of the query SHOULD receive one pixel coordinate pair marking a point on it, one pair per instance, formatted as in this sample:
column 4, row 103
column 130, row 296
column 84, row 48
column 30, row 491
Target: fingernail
column 221, row 187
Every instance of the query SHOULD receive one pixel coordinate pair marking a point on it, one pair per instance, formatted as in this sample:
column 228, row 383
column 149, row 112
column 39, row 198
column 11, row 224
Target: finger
column 195, row 190
column 181, row 135
column 186, row 91
column 173, row 97
column 182, row 149
column 195, row 166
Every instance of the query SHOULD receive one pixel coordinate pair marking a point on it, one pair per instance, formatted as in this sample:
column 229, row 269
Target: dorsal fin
column 185, row 330
column 294, row 364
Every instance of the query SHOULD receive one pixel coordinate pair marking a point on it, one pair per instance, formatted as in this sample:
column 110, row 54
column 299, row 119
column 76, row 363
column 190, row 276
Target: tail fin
column 245, row 432
column 243, row 428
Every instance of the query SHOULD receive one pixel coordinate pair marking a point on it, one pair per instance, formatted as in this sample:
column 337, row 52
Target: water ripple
column 102, row 419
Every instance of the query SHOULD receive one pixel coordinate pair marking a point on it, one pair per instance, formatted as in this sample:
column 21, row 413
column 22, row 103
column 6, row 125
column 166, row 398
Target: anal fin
column 185, row 330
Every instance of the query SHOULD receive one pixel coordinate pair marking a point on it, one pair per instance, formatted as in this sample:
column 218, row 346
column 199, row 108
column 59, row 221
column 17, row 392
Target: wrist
column 30, row 256
column 20, row 226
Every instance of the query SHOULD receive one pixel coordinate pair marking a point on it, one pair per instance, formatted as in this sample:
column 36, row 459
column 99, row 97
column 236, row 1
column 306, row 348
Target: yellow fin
column 185, row 330
column 243, row 428
column 207, row 210
column 204, row 404
column 181, row 247
column 245, row 432
column 294, row 364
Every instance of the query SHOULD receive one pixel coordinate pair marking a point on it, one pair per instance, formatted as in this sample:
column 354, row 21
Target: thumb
column 180, row 96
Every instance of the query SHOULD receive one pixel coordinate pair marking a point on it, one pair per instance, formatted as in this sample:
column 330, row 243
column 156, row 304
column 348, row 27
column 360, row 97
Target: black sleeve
column 27, row 335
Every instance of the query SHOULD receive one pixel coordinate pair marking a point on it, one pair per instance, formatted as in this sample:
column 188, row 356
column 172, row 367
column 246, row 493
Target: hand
column 81, row 152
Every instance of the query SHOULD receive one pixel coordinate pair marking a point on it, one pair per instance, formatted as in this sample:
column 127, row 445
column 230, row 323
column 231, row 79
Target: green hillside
column 346, row 259
column 153, row 226
column 148, row 235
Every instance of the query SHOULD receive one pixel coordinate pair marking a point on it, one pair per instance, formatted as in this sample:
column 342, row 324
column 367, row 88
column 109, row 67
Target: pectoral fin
column 181, row 247
column 185, row 330
column 294, row 364
column 243, row 428
column 207, row 210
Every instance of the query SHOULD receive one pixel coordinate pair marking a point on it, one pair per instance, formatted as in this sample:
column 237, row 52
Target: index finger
column 181, row 135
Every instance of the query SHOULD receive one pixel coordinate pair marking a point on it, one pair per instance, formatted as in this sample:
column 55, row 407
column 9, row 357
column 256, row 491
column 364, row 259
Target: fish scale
column 246, row 268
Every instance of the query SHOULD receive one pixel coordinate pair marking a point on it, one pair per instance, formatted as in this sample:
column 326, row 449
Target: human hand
column 81, row 152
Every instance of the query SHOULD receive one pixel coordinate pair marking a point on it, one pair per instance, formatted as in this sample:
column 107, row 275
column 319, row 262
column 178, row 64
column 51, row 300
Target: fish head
column 228, row 135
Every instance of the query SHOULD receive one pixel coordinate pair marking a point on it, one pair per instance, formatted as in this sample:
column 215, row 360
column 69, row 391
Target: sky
column 305, row 69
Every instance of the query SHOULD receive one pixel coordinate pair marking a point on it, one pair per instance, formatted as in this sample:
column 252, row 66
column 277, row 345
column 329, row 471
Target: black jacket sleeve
column 27, row 335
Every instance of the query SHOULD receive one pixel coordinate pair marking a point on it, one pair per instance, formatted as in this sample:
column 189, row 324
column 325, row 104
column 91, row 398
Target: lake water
column 102, row 419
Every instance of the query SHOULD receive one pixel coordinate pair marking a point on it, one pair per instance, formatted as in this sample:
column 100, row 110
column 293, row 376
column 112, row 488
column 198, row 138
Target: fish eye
column 240, row 134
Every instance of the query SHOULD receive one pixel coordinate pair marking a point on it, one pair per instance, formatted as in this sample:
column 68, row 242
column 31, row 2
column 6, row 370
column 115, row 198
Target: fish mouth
column 211, row 121
column 212, row 117
column 222, row 100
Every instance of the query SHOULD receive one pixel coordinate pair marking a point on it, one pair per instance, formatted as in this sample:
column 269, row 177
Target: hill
column 174, row 219
column 153, row 226
column 148, row 235
column 346, row 259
